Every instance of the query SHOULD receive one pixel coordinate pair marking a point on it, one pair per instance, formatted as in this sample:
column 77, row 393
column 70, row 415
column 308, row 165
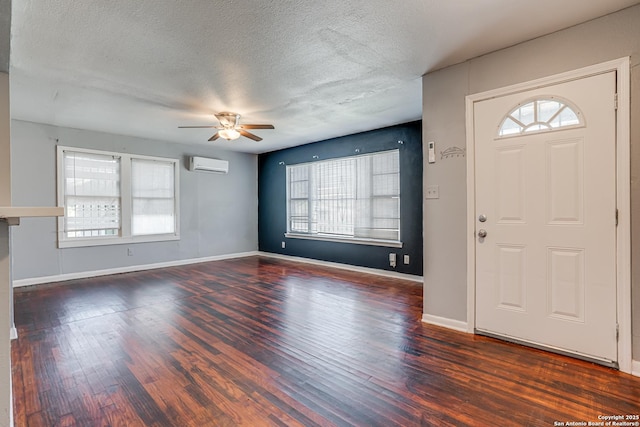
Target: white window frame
column 337, row 238
column 125, row 236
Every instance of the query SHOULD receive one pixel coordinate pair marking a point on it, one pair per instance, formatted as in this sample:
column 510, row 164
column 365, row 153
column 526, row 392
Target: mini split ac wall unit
column 208, row 165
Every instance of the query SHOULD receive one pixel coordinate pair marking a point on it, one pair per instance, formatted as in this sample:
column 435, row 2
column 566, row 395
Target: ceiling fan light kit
column 230, row 127
column 229, row 134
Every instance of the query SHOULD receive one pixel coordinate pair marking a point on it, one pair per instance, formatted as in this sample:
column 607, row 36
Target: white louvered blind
column 352, row 197
column 91, row 195
column 152, row 197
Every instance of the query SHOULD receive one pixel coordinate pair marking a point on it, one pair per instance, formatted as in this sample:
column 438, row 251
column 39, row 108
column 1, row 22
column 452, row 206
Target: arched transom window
column 540, row 115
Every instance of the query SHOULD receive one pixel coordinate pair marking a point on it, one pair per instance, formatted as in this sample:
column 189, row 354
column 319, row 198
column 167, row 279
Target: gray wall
column 607, row 38
column 218, row 213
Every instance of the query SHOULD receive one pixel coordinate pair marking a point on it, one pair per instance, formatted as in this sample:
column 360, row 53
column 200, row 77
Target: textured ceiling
column 315, row 70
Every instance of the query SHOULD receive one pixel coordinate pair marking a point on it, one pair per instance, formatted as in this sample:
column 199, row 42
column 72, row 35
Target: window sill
column 355, row 241
column 107, row 241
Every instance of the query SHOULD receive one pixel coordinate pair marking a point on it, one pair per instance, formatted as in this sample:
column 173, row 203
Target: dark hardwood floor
column 258, row 341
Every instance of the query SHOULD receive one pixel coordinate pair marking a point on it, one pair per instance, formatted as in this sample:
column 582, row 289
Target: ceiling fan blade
column 256, row 127
column 249, row 135
column 214, row 137
column 203, row 127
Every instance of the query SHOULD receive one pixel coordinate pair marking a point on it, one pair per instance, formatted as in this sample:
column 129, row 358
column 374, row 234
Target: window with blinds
column 354, row 197
column 153, row 197
column 112, row 198
column 91, row 195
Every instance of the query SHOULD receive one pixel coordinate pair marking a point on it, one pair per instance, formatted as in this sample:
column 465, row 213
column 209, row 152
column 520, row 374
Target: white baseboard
column 95, row 273
column 635, row 368
column 13, row 333
column 11, row 424
column 358, row 269
column 445, row 322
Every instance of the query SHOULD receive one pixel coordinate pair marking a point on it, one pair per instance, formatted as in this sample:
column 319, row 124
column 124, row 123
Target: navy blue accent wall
column 272, row 199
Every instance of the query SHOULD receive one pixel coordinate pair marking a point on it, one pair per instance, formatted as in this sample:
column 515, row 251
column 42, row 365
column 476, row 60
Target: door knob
column 482, row 233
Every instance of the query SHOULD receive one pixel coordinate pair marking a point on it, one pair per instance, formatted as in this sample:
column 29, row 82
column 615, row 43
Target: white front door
column 546, row 270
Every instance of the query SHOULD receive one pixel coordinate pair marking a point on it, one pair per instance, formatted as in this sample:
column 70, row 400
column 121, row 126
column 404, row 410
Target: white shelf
column 24, row 212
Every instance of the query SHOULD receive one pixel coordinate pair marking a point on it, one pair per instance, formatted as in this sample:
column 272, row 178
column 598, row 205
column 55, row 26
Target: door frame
column 623, row 191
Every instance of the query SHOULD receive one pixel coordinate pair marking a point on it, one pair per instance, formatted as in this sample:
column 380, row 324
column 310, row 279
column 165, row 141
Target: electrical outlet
column 406, row 259
column 432, row 192
column 284, row 244
column 129, row 252
column 392, row 260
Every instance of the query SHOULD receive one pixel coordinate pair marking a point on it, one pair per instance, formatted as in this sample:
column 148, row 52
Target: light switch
column 432, row 192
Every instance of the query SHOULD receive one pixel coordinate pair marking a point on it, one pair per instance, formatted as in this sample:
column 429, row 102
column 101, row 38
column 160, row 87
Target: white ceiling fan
column 230, row 127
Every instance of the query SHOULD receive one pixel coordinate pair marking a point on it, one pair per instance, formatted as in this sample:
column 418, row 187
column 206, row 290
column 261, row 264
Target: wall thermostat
column 431, row 145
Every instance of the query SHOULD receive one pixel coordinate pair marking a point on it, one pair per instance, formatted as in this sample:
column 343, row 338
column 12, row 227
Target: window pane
column 546, row 109
column 524, row 114
column 299, row 173
column 299, row 216
column 299, row 189
column 298, row 198
column 386, row 207
column 386, row 185
column 334, row 216
column 299, row 225
column 153, row 197
column 385, row 218
column 509, row 127
column 91, row 195
column 333, row 195
column 567, row 117
column 299, row 208
column 388, row 162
